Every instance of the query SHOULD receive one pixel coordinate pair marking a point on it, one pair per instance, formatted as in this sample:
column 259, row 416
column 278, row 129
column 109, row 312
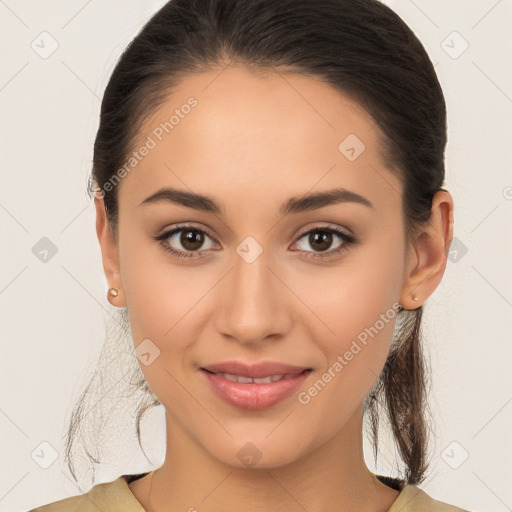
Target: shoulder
column 414, row 499
column 112, row 496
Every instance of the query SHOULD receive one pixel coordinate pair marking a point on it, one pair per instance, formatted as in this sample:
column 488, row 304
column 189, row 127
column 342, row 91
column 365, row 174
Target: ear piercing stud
column 413, row 297
column 113, row 292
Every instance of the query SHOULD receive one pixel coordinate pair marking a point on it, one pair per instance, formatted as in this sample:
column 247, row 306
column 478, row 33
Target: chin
column 259, row 452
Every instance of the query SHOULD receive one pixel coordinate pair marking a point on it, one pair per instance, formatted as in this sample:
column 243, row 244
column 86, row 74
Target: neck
column 331, row 477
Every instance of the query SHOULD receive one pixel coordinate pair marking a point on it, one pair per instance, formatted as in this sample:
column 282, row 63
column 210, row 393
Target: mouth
column 254, row 386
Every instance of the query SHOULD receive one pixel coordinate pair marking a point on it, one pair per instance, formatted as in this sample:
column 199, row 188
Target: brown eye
column 321, row 239
column 185, row 241
column 191, row 240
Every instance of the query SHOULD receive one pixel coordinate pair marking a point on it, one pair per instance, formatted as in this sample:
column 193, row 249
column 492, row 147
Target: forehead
column 269, row 134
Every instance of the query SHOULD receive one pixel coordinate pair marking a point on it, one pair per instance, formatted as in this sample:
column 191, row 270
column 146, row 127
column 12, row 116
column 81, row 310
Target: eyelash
column 348, row 240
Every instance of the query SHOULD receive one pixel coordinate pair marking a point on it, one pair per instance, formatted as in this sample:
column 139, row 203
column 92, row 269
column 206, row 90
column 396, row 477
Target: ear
column 109, row 252
column 428, row 253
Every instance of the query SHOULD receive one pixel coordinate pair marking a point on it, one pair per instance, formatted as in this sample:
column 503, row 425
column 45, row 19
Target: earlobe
column 428, row 256
column 109, row 254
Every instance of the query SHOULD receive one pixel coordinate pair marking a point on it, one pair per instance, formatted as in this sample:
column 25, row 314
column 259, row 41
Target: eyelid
column 347, row 238
column 169, row 231
column 326, row 225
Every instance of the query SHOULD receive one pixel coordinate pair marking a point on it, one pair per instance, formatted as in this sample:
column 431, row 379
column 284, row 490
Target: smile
column 254, row 393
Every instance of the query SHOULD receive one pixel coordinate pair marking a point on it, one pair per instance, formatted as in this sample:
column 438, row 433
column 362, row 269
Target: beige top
column 116, row 496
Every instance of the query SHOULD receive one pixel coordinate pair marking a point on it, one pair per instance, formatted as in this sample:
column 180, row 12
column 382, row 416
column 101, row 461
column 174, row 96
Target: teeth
column 247, row 380
column 268, row 380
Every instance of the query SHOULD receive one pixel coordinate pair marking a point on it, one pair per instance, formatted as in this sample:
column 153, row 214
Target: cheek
column 357, row 306
column 158, row 292
column 352, row 296
column 163, row 301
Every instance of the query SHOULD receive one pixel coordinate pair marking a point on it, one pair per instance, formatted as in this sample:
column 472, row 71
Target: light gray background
column 53, row 312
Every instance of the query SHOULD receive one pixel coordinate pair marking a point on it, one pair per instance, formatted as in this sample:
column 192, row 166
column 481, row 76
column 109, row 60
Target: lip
column 254, row 395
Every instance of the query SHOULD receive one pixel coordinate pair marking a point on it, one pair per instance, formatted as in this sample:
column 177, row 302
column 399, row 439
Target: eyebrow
column 307, row 202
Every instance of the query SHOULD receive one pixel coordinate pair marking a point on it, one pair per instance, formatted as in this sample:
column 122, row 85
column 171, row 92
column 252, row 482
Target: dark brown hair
column 360, row 47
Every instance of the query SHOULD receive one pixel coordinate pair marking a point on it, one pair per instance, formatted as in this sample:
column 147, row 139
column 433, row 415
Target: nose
column 254, row 303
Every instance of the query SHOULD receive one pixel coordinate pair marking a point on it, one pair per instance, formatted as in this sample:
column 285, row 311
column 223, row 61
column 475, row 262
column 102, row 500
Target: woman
column 268, row 181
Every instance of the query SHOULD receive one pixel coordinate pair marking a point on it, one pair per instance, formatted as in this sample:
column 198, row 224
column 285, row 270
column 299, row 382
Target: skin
column 254, row 140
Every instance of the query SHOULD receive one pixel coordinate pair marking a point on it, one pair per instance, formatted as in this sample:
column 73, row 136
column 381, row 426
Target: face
column 315, row 286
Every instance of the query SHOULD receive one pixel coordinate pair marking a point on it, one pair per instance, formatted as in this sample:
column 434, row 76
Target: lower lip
column 254, row 395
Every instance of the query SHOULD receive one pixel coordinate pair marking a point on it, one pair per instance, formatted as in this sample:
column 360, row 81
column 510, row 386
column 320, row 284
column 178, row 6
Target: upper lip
column 256, row 371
